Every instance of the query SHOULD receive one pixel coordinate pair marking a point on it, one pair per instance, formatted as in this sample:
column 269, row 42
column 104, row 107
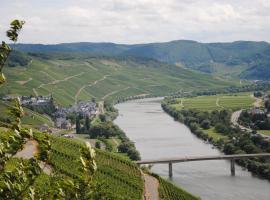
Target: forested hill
column 243, row 59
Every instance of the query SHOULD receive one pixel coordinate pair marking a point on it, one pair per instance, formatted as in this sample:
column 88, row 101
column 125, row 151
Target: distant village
column 82, row 108
column 60, row 114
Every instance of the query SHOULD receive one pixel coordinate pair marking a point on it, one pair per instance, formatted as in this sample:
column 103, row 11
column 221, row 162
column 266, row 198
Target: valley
column 107, row 80
column 135, row 100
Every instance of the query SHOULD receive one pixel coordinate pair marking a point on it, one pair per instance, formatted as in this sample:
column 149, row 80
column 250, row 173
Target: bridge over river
column 232, row 158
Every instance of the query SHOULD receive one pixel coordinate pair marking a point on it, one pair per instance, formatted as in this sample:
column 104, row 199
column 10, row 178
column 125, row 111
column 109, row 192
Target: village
column 60, row 115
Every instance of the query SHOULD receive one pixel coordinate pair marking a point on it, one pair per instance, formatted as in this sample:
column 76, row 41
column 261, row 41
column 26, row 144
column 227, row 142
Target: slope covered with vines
column 119, row 178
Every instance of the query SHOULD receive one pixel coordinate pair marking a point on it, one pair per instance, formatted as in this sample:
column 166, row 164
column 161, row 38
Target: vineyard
column 168, row 191
column 119, row 177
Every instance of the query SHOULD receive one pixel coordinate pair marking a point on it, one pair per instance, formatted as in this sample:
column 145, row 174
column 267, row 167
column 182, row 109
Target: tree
column 221, row 128
column 87, row 123
column 98, row 145
column 205, row 124
column 78, row 125
column 102, row 117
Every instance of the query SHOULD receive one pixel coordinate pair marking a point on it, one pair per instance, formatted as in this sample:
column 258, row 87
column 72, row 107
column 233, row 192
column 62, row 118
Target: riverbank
column 157, row 135
column 232, row 140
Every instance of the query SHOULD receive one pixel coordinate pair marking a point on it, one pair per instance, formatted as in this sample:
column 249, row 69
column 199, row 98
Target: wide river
column 157, row 135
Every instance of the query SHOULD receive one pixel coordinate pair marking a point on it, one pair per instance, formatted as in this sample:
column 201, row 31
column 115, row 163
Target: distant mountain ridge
column 245, row 59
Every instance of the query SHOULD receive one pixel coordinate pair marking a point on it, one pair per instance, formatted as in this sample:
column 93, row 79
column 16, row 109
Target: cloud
column 138, row 21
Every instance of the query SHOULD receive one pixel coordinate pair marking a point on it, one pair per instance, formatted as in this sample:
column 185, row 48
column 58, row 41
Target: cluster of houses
column 88, row 108
column 84, row 109
column 258, row 110
column 36, row 101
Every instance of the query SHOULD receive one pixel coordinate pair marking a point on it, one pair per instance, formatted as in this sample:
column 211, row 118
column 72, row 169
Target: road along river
column 157, row 135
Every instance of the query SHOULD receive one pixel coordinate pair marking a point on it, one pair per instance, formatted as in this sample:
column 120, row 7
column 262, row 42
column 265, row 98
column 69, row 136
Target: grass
column 212, row 133
column 264, row 132
column 114, row 142
column 77, row 79
column 216, row 102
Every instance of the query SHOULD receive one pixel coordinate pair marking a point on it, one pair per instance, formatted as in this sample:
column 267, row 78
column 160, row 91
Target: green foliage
column 129, row 148
column 12, row 33
column 78, row 125
column 168, row 191
column 205, row 124
column 105, row 129
column 14, row 184
column 19, row 59
column 87, row 123
column 221, row 128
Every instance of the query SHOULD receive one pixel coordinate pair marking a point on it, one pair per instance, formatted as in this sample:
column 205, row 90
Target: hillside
column 228, row 59
column 116, row 177
column 75, row 78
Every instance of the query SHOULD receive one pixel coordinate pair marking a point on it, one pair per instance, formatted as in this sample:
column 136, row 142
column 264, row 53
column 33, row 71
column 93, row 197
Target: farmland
column 75, row 79
column 215, row 102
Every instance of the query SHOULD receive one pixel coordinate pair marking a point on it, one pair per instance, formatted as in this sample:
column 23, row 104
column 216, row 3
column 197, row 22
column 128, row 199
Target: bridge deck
column 199, row 158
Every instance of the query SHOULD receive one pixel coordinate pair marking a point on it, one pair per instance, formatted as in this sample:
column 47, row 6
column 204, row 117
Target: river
column 157, row 135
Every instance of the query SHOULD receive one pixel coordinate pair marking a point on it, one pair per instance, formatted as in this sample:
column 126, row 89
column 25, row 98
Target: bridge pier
column 233, row 167
column 170, row 170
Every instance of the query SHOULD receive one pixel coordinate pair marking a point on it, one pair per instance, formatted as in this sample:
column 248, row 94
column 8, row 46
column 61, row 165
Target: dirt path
column 114, row 92
column 88, row 85
column 90, row 66
column 47, row 169
column 55, row 81
column 30, row 149
column 217, row 103
column 48, row 75
column 182, row 103
column 258, row 101
column 61, row 80
column 101, row 107
column 151, row 185
column 234, row 120
column 24, row 82
column 35, row 92
column 235, row 116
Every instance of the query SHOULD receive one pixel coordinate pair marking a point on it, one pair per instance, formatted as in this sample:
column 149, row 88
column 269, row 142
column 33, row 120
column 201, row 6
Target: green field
column 264, row 132
column 82, row 79
column 216, row 102
column 212, row 133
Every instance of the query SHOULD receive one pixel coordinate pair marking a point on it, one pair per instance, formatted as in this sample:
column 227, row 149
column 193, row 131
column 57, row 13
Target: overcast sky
column 137, row 21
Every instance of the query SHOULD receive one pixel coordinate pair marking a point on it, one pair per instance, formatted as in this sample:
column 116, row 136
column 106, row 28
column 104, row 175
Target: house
column 257, row 111
column 44, row 128
column 63, row 123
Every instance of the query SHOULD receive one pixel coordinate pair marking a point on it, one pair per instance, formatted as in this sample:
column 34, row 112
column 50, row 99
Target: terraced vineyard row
column 120, row 178
column 119, row 174
column 168, row 191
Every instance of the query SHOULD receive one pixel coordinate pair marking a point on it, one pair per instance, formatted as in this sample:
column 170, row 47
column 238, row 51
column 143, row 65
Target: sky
column 137, row 21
